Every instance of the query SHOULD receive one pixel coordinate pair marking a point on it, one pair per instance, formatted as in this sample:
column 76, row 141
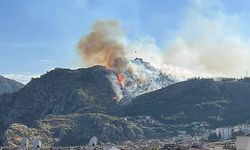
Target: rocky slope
column 74, row 129
column 9, row 86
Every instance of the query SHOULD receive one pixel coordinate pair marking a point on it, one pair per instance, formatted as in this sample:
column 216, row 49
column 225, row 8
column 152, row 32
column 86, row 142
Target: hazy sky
column 38, row 35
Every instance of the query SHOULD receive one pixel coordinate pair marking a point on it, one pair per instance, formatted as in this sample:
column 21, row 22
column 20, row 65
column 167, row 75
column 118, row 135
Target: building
column 243, row 142
column 224, row 133
column 242, row 127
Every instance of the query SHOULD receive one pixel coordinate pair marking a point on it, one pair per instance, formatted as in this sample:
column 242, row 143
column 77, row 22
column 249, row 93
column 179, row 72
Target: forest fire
column 104, row 46
column 121, row 83
column 120, row 79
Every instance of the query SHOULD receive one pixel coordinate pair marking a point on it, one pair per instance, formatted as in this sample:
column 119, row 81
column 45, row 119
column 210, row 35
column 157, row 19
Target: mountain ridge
column 9, row 85
column 63, row 101
column 216, row 98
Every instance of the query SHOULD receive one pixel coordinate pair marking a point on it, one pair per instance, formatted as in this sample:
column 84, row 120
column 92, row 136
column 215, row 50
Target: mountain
column 68, row 107
column 82, row 99
column 220, row 103
column 9, row 86
column 62, row 92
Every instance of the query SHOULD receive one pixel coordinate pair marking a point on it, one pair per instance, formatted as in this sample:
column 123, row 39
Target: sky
column 37, row 36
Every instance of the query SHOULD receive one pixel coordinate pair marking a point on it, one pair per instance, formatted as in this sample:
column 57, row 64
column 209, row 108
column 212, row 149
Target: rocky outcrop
column 14, row 134
column 74, row 129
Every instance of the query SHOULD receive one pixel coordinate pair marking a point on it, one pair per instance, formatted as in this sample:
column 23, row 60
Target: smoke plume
column 210, row 41
column 102, row 46
column 207, row 42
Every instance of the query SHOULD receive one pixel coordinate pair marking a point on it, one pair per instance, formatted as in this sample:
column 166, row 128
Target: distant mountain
column 9, row 86
column 219, row 103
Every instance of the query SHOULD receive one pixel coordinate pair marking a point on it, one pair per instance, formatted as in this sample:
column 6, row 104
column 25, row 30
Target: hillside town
column 223, row 138
column 241, row 143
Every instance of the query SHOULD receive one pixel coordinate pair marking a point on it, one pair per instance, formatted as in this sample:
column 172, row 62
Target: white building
column 224, row 133
column 147, row 117
column 243, row 142
column 243, row 127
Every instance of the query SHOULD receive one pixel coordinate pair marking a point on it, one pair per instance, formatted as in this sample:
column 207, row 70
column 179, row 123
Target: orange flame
column 120, row 79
